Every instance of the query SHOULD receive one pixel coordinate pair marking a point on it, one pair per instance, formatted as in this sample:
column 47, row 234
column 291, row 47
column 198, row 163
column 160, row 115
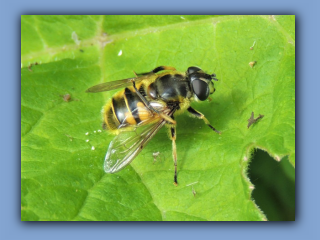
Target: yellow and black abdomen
column 125, row 109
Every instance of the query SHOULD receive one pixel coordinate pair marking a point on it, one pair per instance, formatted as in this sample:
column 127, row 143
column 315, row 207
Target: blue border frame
column 307, row 88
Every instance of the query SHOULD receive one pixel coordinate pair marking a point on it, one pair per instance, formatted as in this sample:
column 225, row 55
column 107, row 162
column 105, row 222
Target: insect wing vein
column 125, row 146
column 107, row 86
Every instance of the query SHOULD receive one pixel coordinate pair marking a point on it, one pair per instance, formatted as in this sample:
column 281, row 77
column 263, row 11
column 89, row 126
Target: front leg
column 172, row 134
column 201, row 116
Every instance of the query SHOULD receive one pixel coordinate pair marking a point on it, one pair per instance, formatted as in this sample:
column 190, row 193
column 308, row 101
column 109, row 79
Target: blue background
column 307, row 130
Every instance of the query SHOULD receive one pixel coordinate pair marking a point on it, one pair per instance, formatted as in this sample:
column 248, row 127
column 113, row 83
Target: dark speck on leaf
column 66, row 97
column 253, row 120
column 29, row 67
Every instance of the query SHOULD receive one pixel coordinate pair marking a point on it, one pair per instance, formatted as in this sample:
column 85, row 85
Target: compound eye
column 193, row 69
column 201, row 89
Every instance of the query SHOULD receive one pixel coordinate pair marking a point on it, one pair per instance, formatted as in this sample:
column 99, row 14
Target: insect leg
column 146, row 102
column 174, row 152
column 157, row 69
column 201, row 116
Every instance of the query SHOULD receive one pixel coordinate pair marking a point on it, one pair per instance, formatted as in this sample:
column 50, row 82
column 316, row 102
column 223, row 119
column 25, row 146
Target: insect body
column 147, row 103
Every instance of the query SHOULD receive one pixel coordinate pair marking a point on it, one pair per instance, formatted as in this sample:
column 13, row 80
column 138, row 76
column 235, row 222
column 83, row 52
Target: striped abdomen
column 126, row 109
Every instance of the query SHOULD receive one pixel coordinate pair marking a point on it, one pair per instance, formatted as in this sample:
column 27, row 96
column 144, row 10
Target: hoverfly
column 147, row 103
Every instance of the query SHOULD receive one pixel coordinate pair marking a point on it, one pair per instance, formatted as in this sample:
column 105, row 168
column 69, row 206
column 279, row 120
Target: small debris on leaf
column 71, row 138
column 251, row 64
column 194, row 192
column 251, row 48
column 155, row 156
column 29, row 67
column 253, row 120
column 66, row 97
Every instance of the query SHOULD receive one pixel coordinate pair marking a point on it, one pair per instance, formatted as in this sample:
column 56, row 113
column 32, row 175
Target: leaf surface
column 62, row 178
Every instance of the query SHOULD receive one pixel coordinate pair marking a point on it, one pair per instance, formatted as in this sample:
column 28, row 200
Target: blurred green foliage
column 274, row 185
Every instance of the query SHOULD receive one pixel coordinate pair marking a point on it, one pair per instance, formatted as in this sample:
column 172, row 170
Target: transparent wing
column 107, row 86
column 128, row 144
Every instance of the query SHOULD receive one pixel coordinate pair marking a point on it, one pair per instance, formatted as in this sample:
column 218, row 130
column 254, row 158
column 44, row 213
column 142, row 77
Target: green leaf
column 62, row 178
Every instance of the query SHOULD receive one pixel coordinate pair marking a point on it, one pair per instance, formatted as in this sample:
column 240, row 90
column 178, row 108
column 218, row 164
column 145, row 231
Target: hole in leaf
column 274, row 183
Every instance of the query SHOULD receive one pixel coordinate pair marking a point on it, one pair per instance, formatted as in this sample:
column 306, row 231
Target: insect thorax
column 170, row 88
